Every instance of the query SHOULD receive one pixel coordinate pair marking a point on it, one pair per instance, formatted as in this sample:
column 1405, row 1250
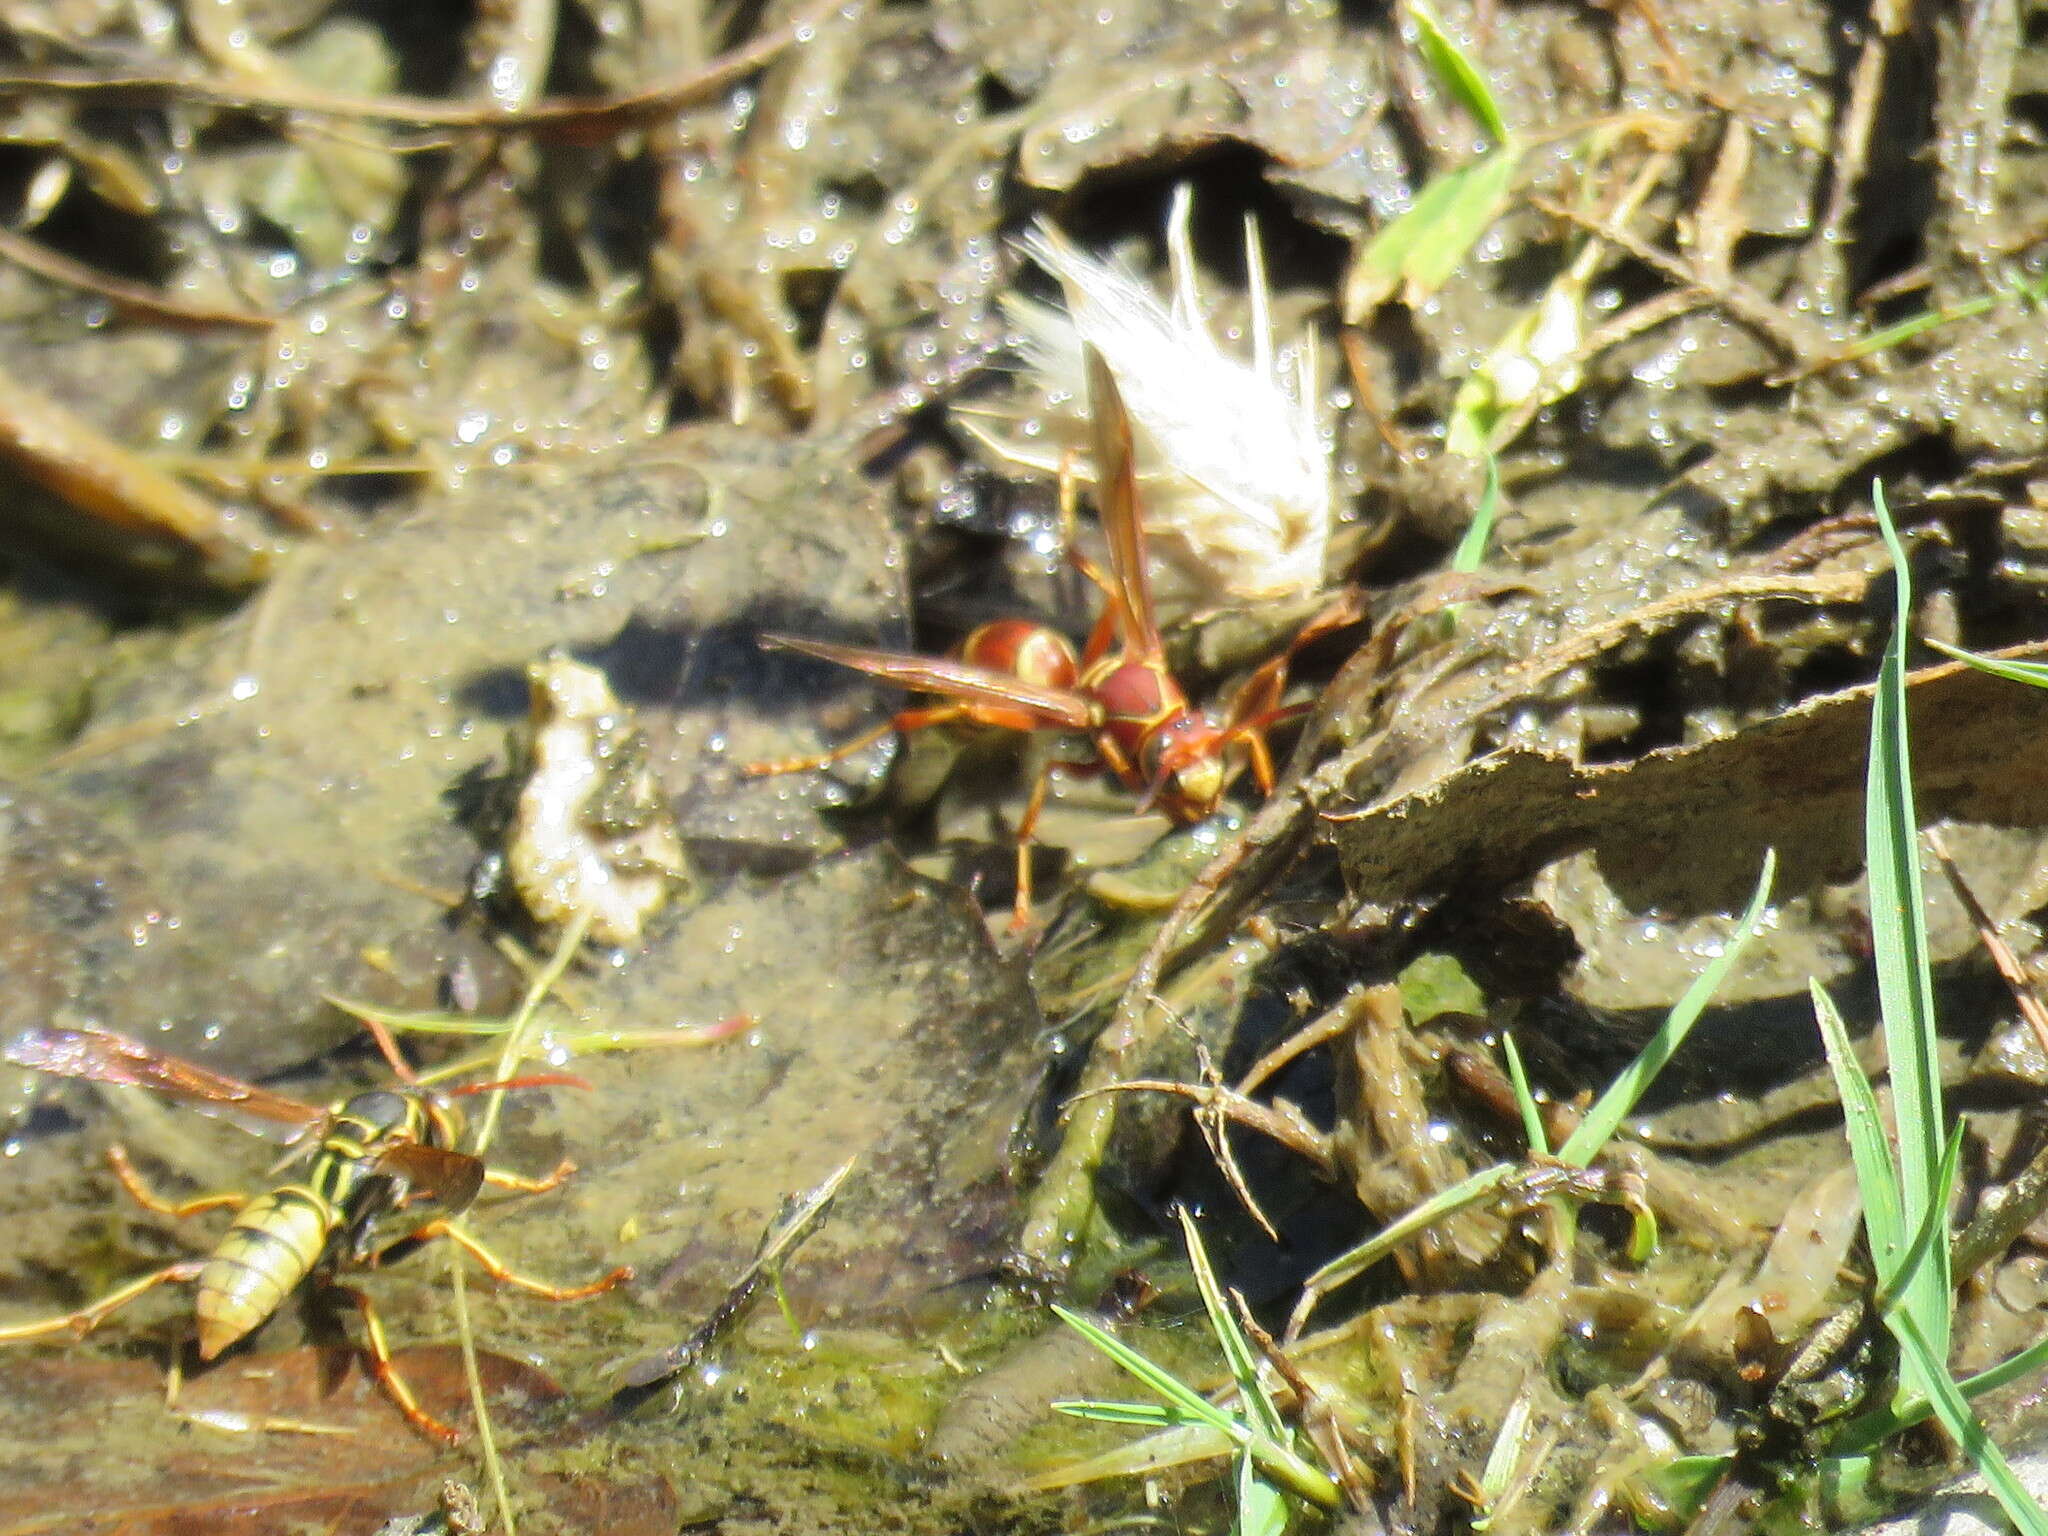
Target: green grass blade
column 2033, row 673
column 1867, row 1431
column 430, row 1023
column 1525, row 1101
column 1622, row 1095
column 1963, row 1428
column 1356, row 1261
column 1455, row 72
column 1876, row 1175
column 1504, row 1459
column 1933, row 1224
column 1905, row 982
column 1146, row 1415
column 1177, row 1393
column 1238, row 1353
column 1471, row 550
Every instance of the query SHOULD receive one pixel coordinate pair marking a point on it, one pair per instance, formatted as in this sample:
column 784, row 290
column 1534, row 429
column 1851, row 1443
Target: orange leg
column 150, row 1200
column 85, row 1319
column 1261, row 754
column 1120, row 765
column 497, row 1269
column 1027, row 825
column 499, row 1178
column 386, row 1372
column 902, row 724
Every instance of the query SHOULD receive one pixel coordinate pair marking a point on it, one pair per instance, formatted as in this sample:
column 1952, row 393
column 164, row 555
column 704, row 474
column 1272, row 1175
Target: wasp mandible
column 364, row 1159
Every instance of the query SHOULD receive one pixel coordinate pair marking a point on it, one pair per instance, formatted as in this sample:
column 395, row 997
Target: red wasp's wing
column 1116, row 498
column 449, row 1179
column 954, row 679
column 100, row 1056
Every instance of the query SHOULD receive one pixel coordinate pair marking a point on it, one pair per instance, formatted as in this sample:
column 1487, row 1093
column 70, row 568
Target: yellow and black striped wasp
column 363, row 1160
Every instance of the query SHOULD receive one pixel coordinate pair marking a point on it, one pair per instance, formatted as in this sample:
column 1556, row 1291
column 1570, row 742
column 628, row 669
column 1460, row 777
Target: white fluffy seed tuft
column 1232, row 460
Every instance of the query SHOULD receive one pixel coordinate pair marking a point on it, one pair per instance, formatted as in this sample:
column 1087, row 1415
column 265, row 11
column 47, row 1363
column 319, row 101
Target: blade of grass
column 1904, row 972
column 1867, row 1431
column 1969, row 1435
column 1469, row 1190
column 1177, row 1394
column 520, row 1029
column 2033, row 673
column 1525, row 1101
column 1471, row 550
column 487, row 1439
column 1876, row 1175
column 1933, row 1224
column 1238, row 1353
column 1622, row 1095
column 1161, row 1451
column 1145, row 1415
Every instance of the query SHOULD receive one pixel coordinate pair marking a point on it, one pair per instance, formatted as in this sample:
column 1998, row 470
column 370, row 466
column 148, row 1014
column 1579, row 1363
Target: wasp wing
column 1116, row 498
column 101, row 1056
column 954, row 679
column 450, row 1179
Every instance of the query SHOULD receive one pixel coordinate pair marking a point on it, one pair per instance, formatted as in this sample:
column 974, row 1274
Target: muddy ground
column 358, row 357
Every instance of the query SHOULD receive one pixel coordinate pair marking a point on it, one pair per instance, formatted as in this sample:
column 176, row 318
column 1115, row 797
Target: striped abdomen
column 262, row 1258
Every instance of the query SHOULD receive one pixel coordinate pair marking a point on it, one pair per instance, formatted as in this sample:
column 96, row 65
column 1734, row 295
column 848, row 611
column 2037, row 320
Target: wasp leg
column 150, row 1200
column 499, row 1178
column 497, row 1269
column 1027, row 824
column 85, row 1319
column 386, row 1370
column 899, row 724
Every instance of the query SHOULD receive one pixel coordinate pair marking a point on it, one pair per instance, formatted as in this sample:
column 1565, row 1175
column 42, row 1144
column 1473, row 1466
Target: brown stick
column 574, row 117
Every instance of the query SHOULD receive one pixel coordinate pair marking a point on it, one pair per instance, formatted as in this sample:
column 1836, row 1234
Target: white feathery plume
column 1231, row 456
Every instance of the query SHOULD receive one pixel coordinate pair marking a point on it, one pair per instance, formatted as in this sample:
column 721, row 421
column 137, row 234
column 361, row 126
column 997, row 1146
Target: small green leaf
column 1418, row 252
column 1261, row 1508
column 1434, row 984
column 1684, row 1482
column 1456, row 73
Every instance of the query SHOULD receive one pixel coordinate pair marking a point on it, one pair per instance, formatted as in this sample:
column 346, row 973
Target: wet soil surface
column 363, row 371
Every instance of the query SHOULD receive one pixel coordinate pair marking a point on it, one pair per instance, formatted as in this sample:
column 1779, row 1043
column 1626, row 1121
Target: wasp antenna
column 535, row 1080
column 387, row 1045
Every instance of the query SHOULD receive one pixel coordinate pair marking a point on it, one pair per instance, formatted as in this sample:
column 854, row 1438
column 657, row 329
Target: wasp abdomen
column 260, row 1260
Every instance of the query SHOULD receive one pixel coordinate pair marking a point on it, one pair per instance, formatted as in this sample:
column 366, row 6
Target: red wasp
column 1021, row 676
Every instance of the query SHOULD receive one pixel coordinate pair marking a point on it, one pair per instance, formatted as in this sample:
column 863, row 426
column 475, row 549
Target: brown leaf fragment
column 1685, row 828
